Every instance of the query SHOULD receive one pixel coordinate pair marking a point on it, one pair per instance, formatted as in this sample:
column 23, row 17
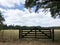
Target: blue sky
column 15, row 13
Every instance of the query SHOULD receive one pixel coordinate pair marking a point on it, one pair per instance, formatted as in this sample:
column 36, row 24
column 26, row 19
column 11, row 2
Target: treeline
column 26, row 27
column 19, row 27
column 55, row 27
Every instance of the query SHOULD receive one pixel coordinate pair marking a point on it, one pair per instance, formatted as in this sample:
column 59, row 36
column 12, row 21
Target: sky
column 15, row 13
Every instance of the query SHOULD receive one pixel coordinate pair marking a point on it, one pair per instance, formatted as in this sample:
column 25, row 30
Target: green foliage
column 1, row 21
column 29, row 3
column 54, row 6
column 1, row 17
column 1, row 27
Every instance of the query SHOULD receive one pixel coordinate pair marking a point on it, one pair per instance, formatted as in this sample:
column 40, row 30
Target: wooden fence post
column 20, row 33
column 52, row 34
column 35, row 33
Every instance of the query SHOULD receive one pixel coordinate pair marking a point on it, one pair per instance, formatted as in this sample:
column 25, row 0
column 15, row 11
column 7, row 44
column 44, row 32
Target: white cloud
column 19, row 17
column 11, row 3
column 25, row 18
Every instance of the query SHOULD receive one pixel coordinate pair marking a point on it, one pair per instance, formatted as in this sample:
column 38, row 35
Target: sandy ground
column 30, row 42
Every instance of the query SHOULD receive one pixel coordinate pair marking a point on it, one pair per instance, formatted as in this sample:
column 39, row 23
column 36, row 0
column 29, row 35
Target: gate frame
column 51, row 32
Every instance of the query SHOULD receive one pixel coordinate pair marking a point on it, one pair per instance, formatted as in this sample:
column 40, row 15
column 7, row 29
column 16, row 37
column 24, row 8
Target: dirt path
column 31, row 42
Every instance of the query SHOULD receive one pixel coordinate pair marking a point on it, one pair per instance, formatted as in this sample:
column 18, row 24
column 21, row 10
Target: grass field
column 14, row 34
column 57, row 35
column 10, row 35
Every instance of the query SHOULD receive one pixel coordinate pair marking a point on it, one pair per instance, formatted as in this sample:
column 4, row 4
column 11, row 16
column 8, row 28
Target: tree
column 1, row 20
column 54, row 6
column 1, row 24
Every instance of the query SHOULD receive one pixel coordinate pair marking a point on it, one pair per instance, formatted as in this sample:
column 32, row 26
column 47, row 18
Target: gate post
column 52, row 34
column 20, row 33
column 35, row 33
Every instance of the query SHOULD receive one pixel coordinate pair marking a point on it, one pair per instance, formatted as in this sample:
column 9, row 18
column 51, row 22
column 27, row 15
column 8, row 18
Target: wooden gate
column 42, row 33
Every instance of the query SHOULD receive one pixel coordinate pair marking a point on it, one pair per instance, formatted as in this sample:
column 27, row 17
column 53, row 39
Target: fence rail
column 41, row 33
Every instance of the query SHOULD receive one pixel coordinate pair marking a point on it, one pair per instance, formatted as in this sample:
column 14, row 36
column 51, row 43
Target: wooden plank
column 20, row 33
column 28, row 32
column 41, row 33
column 52, row 34
column 35, row 33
